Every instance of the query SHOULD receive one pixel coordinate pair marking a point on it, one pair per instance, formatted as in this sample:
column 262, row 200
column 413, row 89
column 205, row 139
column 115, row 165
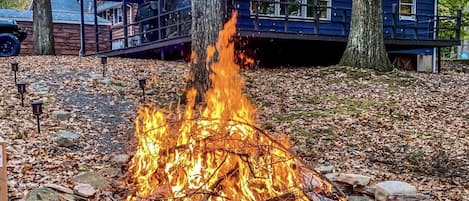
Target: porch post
column 458, row 24
column 439, row 59
column 95, row 8
column 435, row 63
column 395, row 19
column 256, row 21
column 82, row 29
column 316, row 17
column 124, row 18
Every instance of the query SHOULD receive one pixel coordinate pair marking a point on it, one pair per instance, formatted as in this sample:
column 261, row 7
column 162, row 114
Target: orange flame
column 245, row 60
column 154, row 75
column 219, row 155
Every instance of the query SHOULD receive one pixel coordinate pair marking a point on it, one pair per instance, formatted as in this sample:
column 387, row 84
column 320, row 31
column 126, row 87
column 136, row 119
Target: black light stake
column 21, row 89
column 142, row 83
column 14, row 68
column 104, row 62
column 37, row 110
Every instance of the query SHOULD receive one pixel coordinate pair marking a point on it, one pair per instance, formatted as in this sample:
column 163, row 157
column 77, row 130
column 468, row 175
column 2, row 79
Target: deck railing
column 419, row 26
column 167, row 25
column 177, row 23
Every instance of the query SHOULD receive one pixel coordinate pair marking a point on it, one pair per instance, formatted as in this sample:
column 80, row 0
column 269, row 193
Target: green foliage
column 15, row 4
column 450, row 8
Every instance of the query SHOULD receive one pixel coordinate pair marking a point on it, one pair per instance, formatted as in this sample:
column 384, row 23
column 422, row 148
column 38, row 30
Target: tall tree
column 365, row 47
column 450, row 8
column 43, row 28
column 207, row 20
column 16, row 4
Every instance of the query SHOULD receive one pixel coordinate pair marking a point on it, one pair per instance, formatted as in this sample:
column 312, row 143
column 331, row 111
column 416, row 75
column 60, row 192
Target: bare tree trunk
column 207, row 19
column 43, row 28
column 365, row 47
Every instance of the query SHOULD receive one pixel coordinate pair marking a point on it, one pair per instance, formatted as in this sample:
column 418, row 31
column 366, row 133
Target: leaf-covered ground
column 406, row 126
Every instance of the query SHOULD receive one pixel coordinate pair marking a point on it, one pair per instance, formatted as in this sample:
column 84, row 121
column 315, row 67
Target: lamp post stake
column 21, row 90
column 14, row 68
column 142, row 83
column 37, row 110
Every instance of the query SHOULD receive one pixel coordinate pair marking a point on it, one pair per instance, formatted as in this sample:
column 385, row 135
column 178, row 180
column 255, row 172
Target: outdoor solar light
column 37, row 110
column 21, row 89
column 104, row 62
column 142, row 83
column 14, row 68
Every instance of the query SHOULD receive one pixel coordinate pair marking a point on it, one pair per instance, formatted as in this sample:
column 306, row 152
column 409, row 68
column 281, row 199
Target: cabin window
column 264, row 8
column 113, row 15
column 292, row 8
column 109, row 15
column 118, row 18
column 106, row 15
column 407, row 9
column 323, row 9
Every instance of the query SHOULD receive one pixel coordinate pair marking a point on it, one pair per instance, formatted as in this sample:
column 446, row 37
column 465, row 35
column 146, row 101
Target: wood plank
column 3, row 171
column 67, row 38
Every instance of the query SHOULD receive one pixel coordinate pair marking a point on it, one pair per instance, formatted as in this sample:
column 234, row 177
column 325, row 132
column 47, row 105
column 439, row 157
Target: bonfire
column 217, row 152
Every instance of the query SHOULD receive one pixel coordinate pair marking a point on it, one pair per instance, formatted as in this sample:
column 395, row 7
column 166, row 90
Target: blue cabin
column 300, row 30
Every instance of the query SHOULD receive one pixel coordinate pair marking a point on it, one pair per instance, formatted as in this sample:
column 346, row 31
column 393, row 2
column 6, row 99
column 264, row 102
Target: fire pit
column 218, row 152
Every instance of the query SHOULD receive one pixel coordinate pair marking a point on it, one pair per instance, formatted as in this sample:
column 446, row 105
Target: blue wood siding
column 424, row 21
column 408, row 29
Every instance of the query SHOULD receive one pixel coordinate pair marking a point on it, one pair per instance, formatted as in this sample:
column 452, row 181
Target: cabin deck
column 391, row 44
column 394, row 43
column 172, row 30
column 146, row 47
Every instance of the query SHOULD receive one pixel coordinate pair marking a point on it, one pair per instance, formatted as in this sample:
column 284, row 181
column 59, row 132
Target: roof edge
column 62, row 22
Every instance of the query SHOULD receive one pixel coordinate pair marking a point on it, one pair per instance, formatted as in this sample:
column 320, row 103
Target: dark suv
column 10, row 38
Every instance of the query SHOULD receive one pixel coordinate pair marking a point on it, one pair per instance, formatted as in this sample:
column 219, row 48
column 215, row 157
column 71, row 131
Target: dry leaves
column 401, row 125
column 404, row 126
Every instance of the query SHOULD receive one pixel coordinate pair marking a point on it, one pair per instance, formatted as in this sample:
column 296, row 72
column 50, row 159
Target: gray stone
column 40, row 88
column 61, row 115
column 416, row 197
column 366, row 190
column 359, row 198
column 94, row 179
column 118, row 89
column 387, row 189
column 121, row 158
column 105, row 81
column 325, row 169
column 59, row 188
column 49, row 194
column 66, row 138
column 96, row 76
column 150, row 92
column 84, row 190
column 29, row 80
column 110, row 172
column 42, row 193
column 331, row 176
column 352, row 179
column 42, row 92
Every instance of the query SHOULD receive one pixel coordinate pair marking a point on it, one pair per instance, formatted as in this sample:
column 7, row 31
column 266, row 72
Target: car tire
column 9, row 45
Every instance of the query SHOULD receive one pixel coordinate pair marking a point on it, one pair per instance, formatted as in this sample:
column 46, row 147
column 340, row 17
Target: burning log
column 219, row 153
column 284, row 197
column 314, row 184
